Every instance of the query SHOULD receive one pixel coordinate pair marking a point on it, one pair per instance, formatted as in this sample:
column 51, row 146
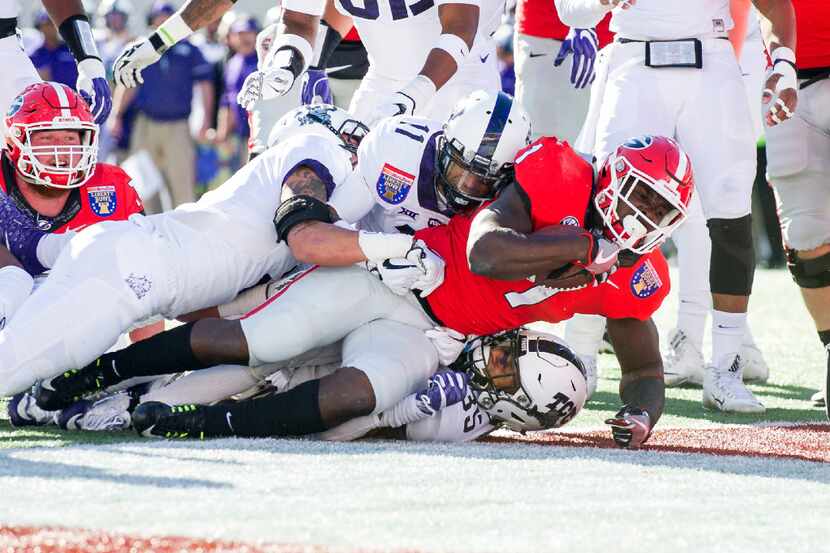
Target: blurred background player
column 73, row 25
column 53, row 59
column 798, row 156
column 163, row 103
column 554, row 91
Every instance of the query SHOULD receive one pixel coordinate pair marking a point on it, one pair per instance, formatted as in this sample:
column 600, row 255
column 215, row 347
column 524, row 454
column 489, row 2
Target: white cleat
column 753, row 364
column 591, row 373
column 724, row 390
column 683, row 362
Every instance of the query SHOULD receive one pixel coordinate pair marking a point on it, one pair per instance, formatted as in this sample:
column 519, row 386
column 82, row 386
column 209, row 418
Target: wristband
column 280, row 47
column 169, row 33
column 77, row 34
column 589, row 256
column 377, row 246
column 453, row 45
column 783, row 63
column 404, row 412
column 420, row 90
column 15, row 287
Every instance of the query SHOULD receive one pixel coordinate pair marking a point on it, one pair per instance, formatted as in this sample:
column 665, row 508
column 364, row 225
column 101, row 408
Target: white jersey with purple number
column 462, row 422
column 393, row 187
column 672, row 19
column 398, row 34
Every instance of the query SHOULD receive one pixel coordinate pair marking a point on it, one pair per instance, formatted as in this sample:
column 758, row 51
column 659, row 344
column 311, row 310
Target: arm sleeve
column 581, row 13
column 352, row 199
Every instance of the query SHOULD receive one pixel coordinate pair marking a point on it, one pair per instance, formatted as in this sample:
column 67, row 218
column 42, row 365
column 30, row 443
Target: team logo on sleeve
column 102, row 200
column 394, row 184
column 570, row 221
column 645, row 281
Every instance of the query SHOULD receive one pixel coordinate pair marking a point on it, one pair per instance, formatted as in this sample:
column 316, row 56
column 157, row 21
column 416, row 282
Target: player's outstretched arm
column 587, row 13
column 73, row 24
column 642, row 391
column 501, row 245
column 778, row 28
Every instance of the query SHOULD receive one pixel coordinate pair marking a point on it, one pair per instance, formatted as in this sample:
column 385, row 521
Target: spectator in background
column 504, row 51
column 233, row 118
column 53, row 59
column 163, row 104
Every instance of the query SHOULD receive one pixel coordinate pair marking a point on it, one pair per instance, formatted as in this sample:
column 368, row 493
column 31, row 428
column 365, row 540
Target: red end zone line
column 26, row 539
column 804, row 442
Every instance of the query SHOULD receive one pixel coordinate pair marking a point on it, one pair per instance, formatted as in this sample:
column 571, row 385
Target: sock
column 694, row 248
column 691, row 319
column 749, row 339
column 583, row 333
column 728, row 331
column 292, row 413
column 165, row 353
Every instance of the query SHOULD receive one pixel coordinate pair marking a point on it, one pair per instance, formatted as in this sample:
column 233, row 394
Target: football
column 568, row 276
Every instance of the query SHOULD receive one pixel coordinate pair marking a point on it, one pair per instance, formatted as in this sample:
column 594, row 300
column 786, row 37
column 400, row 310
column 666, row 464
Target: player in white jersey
column 385, row 353
column 198, row 255
column 73, row 24
column 672, row 71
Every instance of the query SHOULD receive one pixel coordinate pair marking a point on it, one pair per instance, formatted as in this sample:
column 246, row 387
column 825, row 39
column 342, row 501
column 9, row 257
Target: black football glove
column 631, row 427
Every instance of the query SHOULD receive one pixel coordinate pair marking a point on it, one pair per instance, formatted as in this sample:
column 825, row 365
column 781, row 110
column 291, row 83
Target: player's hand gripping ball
column 569, row 276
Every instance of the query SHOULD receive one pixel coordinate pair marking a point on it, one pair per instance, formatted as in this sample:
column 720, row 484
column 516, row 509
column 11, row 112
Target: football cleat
column 818, row 399
column 753, row 364
column 591, row 373
column 724, row 390
column 155, row 419
column 24, row 411
column 60, row 392
column 683, row 362
column 108, row 414
column 71, row 417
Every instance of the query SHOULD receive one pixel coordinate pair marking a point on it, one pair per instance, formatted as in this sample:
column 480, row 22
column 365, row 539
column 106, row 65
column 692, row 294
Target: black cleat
column 69, row 387
column 155, row 419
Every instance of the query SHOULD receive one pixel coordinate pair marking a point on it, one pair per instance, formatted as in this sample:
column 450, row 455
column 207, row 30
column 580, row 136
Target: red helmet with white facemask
column 50, row 106
column 643, row 192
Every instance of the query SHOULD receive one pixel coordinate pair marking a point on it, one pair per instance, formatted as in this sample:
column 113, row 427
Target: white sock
column 728, row 331
column 749, row 339
column 583, row 333
column 691, row 319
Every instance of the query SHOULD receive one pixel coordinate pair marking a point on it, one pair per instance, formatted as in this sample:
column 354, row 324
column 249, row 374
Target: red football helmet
column 49, row 106
column 643, row 192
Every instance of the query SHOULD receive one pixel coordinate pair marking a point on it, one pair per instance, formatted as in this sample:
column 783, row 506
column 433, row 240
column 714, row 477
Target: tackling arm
column 459, row 25
column 500, row 245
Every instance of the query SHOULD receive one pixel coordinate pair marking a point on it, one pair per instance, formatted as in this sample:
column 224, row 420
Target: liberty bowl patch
column 394, row 184
column 102, row 200
column 645, row 281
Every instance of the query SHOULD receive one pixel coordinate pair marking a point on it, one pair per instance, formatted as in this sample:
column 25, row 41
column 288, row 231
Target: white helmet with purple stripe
column 481, row 138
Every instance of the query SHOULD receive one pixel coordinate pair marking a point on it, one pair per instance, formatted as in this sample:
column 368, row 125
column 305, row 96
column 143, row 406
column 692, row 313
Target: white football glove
column 129, row 64
column 264, row 85
column 447, row 342
column 421, row 269
column 414, row 96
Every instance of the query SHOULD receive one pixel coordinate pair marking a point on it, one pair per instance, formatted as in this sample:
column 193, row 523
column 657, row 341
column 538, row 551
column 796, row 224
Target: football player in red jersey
column 643, row 191
column 49, row 170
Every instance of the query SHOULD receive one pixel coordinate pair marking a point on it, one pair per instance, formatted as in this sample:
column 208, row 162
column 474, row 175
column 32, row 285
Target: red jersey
column 539, row 18
column 812, row 20
column 558, row 184
column 107, row 196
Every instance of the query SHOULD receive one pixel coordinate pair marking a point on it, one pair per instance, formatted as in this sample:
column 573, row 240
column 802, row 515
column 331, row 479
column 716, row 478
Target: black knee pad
column 809, row 273
column 732, row 268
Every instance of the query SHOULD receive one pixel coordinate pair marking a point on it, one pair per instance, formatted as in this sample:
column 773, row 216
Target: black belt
column 427, row 309
column 629, row 40
column 8, row 27
column 813, row 75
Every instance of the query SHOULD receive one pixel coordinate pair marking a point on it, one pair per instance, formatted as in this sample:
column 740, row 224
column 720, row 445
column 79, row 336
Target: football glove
column 129, row 64
column 421, row 269
column 583, row 44
column 448, row 343
column 602, row 256
column 316, row 88
column 631, row 427
column 414, row 96
column 93, row 87
column 443, row 389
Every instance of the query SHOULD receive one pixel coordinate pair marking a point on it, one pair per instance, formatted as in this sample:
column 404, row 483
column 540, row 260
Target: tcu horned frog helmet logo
column 643, row 192
column 49, row 106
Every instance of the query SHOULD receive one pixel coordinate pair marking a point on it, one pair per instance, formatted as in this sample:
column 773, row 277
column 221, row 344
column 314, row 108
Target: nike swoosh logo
column 389, row 265
column 484, row 58
column 336, row 68
column 599, row 260
column 228, row 419
column 532, row 55
column 726, row 327
column 718, row 401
